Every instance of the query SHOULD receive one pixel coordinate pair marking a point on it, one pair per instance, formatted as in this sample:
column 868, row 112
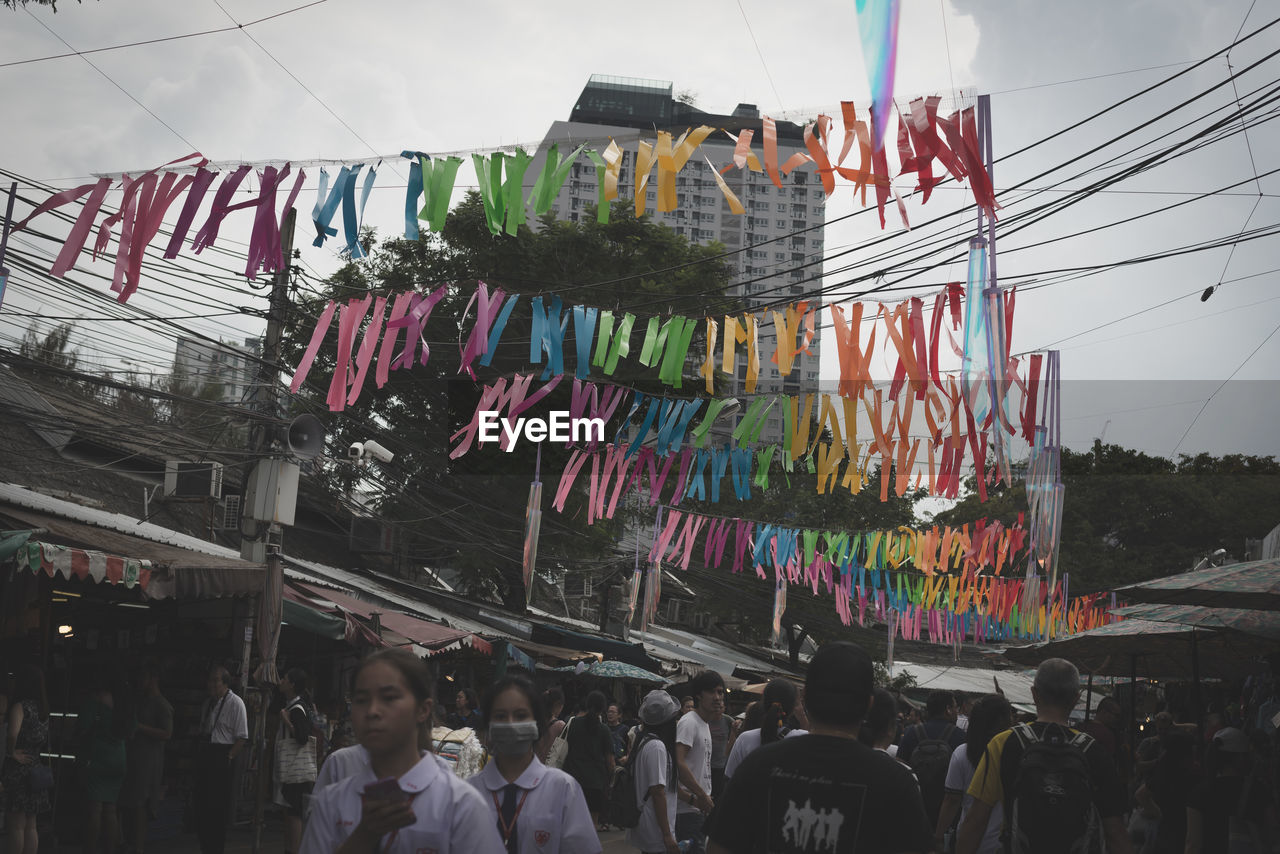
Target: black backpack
column 625, row 804
column 929, row 761
column 1050, row 808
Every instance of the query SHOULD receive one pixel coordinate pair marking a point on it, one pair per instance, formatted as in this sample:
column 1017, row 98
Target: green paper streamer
column 810, row 545
column 621, row 343
column 552, row 178
column 489, row 176
column 513, row 190
column 602, row 207
column 438, row 177
column 763, row 460
column 748, row 423
column 702, row 432
column 651, row 342
column 678, row 342
column 602, row 341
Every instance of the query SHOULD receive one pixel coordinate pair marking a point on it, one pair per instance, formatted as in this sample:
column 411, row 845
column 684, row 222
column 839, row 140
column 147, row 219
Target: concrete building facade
column 230, row 367
column 778, row 241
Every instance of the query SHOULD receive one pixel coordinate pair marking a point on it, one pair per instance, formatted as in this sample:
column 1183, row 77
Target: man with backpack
column 1061, row 793
column 927, row 748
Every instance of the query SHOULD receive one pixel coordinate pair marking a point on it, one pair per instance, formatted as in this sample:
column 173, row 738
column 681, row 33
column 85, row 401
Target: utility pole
column 270, row 503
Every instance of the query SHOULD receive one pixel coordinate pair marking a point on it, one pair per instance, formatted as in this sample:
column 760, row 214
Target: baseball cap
column 658, row 707
column 1231, row 740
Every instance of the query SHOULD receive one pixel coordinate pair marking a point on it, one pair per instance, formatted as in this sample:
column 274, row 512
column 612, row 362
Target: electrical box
column 271, row 495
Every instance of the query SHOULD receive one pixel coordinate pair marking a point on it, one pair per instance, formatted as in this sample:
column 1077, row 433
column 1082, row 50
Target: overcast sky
column 388, row 76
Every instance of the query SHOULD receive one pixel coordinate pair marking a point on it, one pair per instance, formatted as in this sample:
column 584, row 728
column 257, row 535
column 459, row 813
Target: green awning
column 299, row 616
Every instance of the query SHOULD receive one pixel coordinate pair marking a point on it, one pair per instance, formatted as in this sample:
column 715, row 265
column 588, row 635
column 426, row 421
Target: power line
column 110, row 80
column 304, row 86
column 1222, row 385
column 159, row 40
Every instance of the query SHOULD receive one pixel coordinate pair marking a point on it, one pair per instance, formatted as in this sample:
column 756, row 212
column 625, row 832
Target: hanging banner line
column 944, row 597
column 501, row 179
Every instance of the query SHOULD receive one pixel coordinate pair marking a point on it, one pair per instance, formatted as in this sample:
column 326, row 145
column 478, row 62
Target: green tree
column 1130, row 517
column 469, row 513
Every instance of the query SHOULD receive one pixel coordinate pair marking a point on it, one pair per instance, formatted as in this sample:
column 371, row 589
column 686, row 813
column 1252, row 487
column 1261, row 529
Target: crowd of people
column 839, row 765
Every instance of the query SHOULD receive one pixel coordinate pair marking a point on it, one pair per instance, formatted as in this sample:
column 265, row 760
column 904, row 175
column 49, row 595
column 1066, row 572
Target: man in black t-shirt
column 823, row 792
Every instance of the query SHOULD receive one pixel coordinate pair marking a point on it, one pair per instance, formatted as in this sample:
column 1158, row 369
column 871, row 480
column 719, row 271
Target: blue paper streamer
column 584, row 333
column 495, row 334
column 322, row 214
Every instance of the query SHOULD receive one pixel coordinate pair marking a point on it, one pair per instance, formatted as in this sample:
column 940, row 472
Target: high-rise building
column 777, row 236
column 229, row 368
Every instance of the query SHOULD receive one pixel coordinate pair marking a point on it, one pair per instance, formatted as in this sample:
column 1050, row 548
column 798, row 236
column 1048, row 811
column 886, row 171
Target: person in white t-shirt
column 535, row 808
column 693, row 757
column 779, row 700
column 405, row 801
column 989, row 715
column 653, row 757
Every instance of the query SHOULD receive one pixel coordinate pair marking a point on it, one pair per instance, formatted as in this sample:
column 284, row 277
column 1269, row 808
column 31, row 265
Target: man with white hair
column 1058, row 788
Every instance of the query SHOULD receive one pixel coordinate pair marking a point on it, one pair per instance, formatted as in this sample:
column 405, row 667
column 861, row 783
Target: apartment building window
column 779, row 256
column 782, row 207
column 801, row 177
column 798, row 210
column 817, row 194
column 797, row 256
column 798, row 224
column 781, row 223
column 816, row 242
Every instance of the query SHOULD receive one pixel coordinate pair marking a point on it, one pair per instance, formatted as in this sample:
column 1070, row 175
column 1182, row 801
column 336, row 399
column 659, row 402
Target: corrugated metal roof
column 38, row 413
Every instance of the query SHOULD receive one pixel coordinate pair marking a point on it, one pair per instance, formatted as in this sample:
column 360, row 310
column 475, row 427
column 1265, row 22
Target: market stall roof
column 1016, row 684
column 1162, row 650
column 703, row 653
column 1264, row 624
column 433, row 636
column 1254, row 585
column 181, row 566
column 631, row 653
column 615, row 670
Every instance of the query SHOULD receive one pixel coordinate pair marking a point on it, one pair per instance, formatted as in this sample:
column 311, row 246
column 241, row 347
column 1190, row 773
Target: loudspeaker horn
column 306, row 436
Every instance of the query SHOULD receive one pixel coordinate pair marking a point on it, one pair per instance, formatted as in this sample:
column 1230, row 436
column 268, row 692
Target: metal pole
column 1088, row 697
column 1196, row 697
column 267, row 395
column 1133, row 699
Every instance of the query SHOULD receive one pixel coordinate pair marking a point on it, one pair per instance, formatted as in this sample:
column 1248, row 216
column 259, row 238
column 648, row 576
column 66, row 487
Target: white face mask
column 513, row 738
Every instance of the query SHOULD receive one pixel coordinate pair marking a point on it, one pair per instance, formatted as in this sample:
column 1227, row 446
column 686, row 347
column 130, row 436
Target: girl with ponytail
column 777, row 703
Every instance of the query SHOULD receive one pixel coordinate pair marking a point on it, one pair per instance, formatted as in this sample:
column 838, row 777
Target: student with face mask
column 535, row 808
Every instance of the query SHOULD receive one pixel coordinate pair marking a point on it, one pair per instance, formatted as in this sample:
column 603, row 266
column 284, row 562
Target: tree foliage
column 1130, row 517
column 469, row 513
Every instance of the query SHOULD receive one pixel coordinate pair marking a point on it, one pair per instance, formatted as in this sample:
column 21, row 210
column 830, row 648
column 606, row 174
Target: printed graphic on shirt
column 813, row 814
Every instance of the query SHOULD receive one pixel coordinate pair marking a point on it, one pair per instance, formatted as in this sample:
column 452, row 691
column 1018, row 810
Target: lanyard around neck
column 508, row 829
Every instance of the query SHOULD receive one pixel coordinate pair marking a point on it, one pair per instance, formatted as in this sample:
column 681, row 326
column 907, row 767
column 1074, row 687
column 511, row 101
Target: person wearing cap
column 1233, row 791
column 655, row 772
column 825, row 791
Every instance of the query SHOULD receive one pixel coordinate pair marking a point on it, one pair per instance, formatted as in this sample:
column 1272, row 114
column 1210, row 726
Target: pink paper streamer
column 317, row 338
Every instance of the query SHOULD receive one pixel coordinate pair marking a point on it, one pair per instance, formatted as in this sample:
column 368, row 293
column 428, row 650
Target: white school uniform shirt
column 450, row 815
column 341, row 764
column 652, row 765
column 695, row 733
column 746, row 744
column 553, row 812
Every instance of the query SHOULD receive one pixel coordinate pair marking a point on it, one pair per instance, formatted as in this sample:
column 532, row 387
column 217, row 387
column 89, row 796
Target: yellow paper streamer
column 708, row 370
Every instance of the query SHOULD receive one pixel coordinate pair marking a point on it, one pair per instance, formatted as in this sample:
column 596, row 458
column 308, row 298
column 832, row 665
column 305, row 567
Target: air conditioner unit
column 371, row 536
column 192, row 480
column 229, row 515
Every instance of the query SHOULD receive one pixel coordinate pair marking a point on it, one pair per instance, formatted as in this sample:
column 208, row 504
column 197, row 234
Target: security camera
column 373, row 449
column 356, row 451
